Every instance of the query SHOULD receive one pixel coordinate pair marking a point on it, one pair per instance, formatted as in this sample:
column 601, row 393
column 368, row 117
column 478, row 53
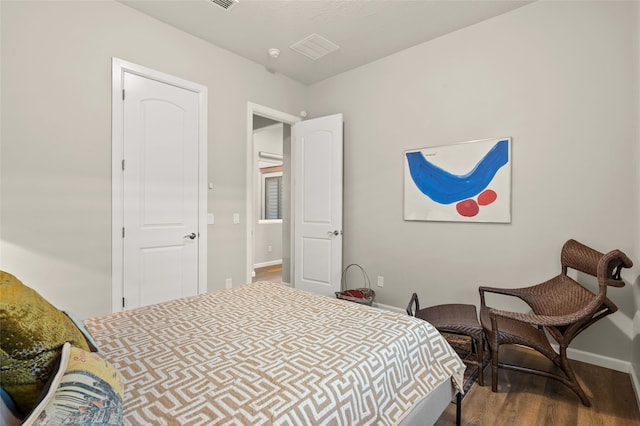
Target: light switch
column 236, row 218
column 210, row 218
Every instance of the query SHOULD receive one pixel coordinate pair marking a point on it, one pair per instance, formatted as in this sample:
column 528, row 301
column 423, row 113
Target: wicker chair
column 561, row 306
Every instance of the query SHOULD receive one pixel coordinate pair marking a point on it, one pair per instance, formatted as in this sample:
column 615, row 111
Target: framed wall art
column 466, row 182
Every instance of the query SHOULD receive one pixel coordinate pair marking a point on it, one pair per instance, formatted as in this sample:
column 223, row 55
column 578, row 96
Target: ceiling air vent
column 225, row 4
column 314, row 46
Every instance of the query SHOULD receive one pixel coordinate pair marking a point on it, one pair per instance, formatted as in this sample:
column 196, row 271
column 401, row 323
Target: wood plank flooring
column 269, row 273
column 526, row 399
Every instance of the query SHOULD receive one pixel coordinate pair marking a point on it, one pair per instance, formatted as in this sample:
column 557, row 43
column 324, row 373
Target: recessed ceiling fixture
column 314, row 46
column 225, row 4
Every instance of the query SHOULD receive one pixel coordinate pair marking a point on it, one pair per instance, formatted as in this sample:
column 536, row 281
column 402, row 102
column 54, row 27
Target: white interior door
column 160, row 191
column 318, row 204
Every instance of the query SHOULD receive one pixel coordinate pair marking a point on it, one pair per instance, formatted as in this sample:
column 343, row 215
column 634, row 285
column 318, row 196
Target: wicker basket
column 362, row 295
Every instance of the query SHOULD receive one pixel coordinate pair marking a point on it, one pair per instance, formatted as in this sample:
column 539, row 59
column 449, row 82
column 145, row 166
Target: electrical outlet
column 380, row 281
column 228, row 283
column 269, row 249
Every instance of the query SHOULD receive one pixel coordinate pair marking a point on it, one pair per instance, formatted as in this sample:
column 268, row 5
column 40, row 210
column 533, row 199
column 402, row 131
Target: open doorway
column 270, row 175
column 269, row 201
column 312, row 214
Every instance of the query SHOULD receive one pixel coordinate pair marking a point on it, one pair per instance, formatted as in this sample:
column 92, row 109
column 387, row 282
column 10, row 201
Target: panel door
column 318, row 204
column 160, row 192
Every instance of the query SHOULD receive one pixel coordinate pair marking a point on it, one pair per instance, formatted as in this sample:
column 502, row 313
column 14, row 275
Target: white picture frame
column 465, row 182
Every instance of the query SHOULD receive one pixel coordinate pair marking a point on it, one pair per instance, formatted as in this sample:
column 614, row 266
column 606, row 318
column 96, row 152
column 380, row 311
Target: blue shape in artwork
column 446, row 188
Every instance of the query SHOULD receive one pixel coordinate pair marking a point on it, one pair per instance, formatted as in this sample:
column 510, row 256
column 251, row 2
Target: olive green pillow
column 32, row 333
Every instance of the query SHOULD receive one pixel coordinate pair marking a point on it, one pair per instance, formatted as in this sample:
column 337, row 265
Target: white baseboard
column 265, row 264
column 599, row 360
column 389, row 308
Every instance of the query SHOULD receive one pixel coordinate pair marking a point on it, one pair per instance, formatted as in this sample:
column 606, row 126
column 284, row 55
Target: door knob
column 336, row 233
column 191, row 236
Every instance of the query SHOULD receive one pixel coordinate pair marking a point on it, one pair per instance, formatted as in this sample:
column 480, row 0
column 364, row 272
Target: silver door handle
column 191, row 236
column 336, row 233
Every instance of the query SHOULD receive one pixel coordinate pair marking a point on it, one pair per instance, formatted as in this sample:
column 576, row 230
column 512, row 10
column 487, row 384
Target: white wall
column 268, row 234
column 56, row 140
column 554, row 76
column 1, row 186
column 635, row 354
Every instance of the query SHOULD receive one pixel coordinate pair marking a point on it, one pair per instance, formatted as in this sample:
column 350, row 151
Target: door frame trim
column 263, row 111
column 119, row 67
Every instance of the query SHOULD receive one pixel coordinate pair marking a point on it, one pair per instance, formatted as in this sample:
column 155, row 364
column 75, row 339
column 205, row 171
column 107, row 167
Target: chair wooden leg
column 572, row 380
column 494, row 367
column 479, row 348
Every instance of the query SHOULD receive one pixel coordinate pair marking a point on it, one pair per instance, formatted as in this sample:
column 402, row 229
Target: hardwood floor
column 269, row 273
column 526, row 399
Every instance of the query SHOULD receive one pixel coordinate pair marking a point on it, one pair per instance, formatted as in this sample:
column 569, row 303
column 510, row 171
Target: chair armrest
column 505, row 291
column 413, row 306
column 610, row 267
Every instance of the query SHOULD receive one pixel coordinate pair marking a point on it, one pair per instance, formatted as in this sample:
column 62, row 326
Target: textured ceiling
column 365, row 30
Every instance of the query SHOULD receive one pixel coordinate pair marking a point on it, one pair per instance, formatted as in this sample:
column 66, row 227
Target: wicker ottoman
column 455, row 319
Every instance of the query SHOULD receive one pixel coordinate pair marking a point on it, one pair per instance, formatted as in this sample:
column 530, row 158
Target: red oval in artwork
column 467, row 208
column 487, row 197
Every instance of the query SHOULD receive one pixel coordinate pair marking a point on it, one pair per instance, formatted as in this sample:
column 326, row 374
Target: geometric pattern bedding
column 267, row 354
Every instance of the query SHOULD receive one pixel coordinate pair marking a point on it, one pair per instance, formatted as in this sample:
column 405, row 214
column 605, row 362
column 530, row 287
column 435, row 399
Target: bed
column 265, row 353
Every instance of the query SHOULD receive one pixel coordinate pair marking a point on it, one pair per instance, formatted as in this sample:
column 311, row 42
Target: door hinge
column 123, row 164
column 123, row 94
column 123, row 304
column 123, row 232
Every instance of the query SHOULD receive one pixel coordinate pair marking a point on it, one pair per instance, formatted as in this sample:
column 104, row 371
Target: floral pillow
column 85, row 390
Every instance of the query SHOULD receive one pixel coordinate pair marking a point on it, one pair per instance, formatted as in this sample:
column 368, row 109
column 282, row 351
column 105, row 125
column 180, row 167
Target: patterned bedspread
column 265, row 354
